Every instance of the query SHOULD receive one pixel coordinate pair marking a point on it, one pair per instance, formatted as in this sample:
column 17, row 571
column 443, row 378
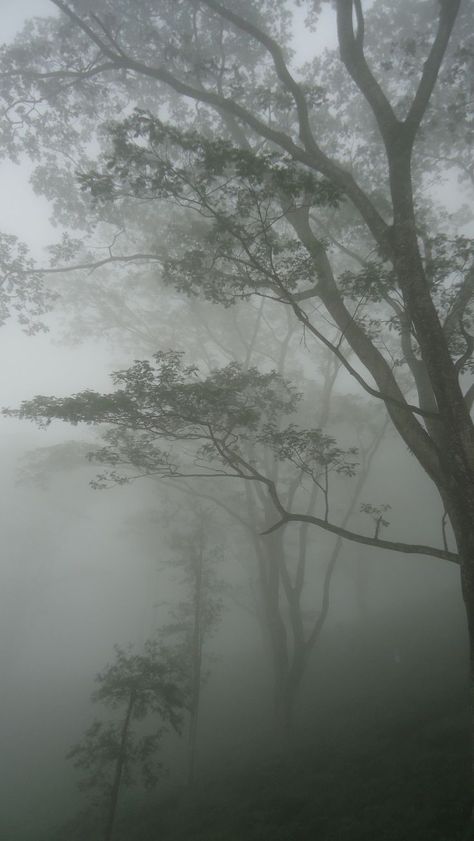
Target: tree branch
column 59, row 74
column 289, row 517
column 352, row 55
column 390, row 545
column 412, row 432
column 315, row 159
column 63, row 7
column 387, row 398
column 96, row 264
column 447, row 16
column 305, row 133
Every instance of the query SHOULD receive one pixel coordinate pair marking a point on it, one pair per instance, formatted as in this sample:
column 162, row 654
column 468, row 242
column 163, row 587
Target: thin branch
column 96, row 264
column 443, row 530
column 63, row 7
column 302, row 316
column 404, row 421
column 318, row 625
column 463, row 298
column 289, row 517
column 378, row 543
column 352, row 55
column 59, row 74
column 305, row 133
column 448, row 12
column 360, row 24
column 315, row 159
column 469, row 340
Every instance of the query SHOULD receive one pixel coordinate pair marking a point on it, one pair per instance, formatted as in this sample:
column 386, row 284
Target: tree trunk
column 196, row 664
column 467, row 579
column 114, row 793
column 462, row 521
column 293, row 684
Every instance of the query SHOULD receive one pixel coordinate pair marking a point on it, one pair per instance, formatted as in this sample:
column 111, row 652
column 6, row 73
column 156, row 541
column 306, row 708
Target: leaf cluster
column 223, row 418
column 100, row 748
column 154, row 677
column 310, row 450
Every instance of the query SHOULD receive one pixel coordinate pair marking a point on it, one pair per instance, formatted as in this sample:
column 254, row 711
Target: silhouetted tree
column 144, row 685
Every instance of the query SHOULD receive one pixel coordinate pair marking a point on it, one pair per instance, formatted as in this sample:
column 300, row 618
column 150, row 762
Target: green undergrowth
column 406, row 783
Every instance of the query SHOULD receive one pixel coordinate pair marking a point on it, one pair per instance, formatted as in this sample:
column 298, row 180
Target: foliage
column 221, row 416
column 100, row 748
column 22, row 293
column 148, row 685
column 155, row 676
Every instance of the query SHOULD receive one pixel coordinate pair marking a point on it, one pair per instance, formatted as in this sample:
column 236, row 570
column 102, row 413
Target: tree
column 225, row 419
column 22, row 296
column 147, row 683
column 273, row 154
column 195, row 618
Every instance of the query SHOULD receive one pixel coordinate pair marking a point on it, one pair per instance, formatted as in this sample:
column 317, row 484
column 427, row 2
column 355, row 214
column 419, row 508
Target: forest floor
column 405, row 784
column 380, row 754
column 392, row 780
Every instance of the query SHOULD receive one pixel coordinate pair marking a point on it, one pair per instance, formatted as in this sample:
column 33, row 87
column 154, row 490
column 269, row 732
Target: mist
column 236, row 485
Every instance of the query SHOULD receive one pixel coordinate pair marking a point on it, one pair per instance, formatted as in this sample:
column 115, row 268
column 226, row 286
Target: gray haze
column 83, row 570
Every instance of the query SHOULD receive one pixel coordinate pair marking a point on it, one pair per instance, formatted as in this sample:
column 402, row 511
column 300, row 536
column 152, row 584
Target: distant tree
column 195, row 618
column 225, row 418
column 145, row 685
column 221, row 415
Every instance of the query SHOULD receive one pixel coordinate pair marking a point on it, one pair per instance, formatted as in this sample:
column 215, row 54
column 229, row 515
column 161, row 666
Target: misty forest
column 237, row 449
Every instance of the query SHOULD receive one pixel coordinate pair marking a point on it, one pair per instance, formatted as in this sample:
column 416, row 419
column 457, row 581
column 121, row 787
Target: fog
column 302, row 681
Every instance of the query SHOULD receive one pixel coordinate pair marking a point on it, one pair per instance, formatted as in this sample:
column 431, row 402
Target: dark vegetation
column 379, row 752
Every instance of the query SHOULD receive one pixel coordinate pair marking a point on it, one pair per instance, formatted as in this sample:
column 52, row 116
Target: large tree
column 312, row 185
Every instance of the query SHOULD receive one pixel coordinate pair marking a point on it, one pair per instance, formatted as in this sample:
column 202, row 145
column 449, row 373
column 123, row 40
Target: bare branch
column 448, row 11
column 402, row 416
column 352, row 55
column 469, row 340
column 463, row 298
column 305, row 133
column 92, row 265
column 390, row 545
column 387, row 398
column 86, row 29
column 59, row 74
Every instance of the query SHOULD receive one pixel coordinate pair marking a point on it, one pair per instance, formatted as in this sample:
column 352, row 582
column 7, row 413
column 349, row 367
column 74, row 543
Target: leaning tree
column 315, row 185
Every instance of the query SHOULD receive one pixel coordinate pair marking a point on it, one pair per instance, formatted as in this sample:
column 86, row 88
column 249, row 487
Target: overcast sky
column 36, row 364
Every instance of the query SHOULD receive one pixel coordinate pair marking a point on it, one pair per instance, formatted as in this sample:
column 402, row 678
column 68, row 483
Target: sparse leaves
column 142, row 686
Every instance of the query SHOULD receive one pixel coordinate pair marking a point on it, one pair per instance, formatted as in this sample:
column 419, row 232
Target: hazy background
column 80, row 574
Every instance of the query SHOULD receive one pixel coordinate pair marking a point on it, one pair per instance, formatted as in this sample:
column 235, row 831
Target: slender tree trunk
column 193, row 731
column 114, row 793
column 469, row 834
column 275, row 622
column 293, row 683
column 462, row 520
column 467, row 579
column 196, row 666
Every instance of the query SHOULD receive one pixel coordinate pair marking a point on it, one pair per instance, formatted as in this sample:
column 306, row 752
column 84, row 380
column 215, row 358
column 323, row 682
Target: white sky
column 14, row 12
column 37, row 365
column 33, row 365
